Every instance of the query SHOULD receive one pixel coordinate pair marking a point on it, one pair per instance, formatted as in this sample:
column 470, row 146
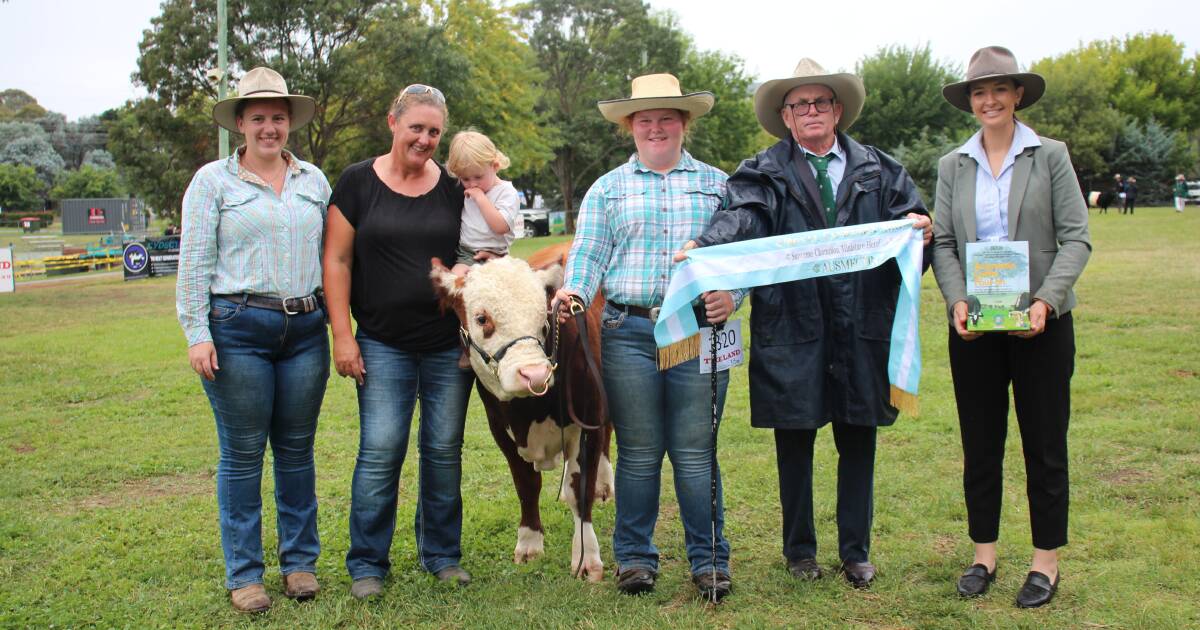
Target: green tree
column 20, row 188
column 589, row 50
column 15, row 130
column 351, row 57
column 99, row 158
column 1154, row 154
column 729, row 133
column 920, row 157
column 1076, row 110
column 904, row 98
column 498, row 96
column 1154, row 80
column 158, row 150
column 18, row 105
column 36, row 152
column 88, row 182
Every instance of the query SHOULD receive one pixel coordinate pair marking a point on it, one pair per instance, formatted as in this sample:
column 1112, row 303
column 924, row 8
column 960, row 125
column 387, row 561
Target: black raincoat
column 819, row 347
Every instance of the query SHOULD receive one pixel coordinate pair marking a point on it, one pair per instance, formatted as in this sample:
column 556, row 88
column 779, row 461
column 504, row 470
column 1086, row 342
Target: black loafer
column 805, row 569
column 635, row 581
column 713, row 588
column 975, row 581
column 1038, row 590
column 858, row 574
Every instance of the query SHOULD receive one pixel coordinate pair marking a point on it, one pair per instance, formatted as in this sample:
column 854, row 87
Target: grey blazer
column 1045, row 208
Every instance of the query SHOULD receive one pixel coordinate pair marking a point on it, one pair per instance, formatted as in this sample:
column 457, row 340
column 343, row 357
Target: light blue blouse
column 991, row 193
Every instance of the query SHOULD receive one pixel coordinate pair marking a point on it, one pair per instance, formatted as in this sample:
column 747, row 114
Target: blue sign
column 137, row 261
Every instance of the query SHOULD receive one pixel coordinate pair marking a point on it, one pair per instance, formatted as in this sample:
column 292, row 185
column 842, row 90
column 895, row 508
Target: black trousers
column 855, row 490
column 1039, row 370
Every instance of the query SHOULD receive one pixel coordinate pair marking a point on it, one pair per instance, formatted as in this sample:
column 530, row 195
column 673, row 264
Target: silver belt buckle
column 285, row 307
column 654, row 311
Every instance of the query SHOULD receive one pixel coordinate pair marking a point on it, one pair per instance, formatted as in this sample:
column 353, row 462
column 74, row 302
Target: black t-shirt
column 395, row 236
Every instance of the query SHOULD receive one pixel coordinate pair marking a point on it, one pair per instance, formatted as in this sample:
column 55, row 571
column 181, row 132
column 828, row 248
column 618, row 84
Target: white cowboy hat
column 262, row 83
column 656, row 91
column 847, row 89
column 994, row 62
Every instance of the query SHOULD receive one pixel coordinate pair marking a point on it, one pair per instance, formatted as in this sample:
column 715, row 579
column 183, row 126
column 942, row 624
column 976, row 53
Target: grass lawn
column 108, row 516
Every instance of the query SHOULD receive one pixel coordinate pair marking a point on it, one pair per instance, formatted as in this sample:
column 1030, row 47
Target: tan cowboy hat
column 262, row 83
column 994, row 62
column 847, row 89
column 656, row 91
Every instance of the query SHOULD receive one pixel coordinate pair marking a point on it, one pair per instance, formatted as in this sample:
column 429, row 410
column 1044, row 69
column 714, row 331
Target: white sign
column 729, row 347
column 7, row 275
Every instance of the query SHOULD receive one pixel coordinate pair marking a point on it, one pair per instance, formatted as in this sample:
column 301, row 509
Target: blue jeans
column 656, row 413
column 269, row 388
column 394, row 381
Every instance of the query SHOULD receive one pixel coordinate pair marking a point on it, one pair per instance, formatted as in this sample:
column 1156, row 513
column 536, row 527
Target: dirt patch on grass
column 149, row 489
column 945, row 546
column 1125, row 476
column 24, row 448
column 1183, row 373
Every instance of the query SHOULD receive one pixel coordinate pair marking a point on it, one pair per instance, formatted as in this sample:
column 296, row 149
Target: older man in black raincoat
column 819, row 347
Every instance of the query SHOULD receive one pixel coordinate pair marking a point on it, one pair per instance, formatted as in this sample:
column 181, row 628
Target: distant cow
column 504, row 305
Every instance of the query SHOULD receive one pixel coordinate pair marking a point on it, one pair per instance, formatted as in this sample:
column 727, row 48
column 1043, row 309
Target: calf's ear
column 447, row 286
column 551, row 277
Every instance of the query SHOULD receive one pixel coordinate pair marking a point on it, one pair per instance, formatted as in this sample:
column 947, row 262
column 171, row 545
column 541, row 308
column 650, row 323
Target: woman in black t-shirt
column 388, row 216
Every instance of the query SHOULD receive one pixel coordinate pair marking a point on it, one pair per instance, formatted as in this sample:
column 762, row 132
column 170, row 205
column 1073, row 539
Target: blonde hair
column 405, row 100
column 471, row 148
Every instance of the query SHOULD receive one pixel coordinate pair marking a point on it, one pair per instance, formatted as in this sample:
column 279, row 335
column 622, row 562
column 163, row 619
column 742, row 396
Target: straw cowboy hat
column 656, row 91
column 994, row 62
column 847, row 88
column 261, row 83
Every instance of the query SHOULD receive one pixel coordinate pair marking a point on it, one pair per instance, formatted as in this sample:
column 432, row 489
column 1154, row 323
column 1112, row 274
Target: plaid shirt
column 240, row 237
column 632, row 222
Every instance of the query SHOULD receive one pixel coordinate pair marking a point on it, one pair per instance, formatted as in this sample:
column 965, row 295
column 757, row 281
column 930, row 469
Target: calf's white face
column 498, row 302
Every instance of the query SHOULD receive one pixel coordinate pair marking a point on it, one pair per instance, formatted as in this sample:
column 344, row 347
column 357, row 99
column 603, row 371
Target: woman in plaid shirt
column 631, row 222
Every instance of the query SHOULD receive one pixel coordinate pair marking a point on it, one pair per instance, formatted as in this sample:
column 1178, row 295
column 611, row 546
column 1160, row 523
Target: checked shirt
column 631, row 223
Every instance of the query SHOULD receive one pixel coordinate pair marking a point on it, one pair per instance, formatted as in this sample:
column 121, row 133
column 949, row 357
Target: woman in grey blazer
column 1009, row 184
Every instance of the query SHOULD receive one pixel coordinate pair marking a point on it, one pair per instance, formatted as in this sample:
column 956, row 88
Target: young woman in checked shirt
column 631, row 222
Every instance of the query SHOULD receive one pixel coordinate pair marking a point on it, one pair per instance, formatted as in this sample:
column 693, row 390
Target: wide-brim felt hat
column 656, row 91
column 264, row 83
column 847, row 89
column 994, row 62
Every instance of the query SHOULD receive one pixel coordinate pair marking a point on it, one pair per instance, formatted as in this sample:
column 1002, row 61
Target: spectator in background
column 1181, row 192
column 1130, row 195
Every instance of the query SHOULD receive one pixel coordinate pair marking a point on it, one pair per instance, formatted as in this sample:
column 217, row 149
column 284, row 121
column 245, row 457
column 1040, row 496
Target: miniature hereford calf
column 503, row 306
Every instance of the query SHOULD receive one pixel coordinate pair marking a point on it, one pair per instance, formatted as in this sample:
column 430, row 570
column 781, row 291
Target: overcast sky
column 75, row 56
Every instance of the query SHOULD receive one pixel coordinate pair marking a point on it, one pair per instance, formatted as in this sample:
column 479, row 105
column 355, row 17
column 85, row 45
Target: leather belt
column 652, row 313
column 289, row 305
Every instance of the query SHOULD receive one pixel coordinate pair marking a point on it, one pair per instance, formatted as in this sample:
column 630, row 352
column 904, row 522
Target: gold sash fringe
column 904, row 401
column 679, row 352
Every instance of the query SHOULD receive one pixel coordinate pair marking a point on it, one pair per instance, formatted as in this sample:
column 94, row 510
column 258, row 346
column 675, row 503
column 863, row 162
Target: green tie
column 821, row 163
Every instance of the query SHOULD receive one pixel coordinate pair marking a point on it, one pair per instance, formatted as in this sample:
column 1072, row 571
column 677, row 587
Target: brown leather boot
column 250, row 599
column 300, row 586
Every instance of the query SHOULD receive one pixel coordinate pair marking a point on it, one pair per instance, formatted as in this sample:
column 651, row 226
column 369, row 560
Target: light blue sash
column 800, row 256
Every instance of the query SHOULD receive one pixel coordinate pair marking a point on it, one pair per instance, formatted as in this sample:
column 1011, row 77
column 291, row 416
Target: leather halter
column 493, row 360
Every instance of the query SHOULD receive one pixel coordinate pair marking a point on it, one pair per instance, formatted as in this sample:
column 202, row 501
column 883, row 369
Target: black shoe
column 1037, row 590
column 975, row 580
column 713, row 588
column 635, row 581
column 805, row 569
column 858, row 574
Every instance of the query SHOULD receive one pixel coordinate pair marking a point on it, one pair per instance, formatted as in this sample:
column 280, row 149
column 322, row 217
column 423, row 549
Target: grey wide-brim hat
column 656, row 91
column 994, row 62
column 847, row 88
column 264, row 83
